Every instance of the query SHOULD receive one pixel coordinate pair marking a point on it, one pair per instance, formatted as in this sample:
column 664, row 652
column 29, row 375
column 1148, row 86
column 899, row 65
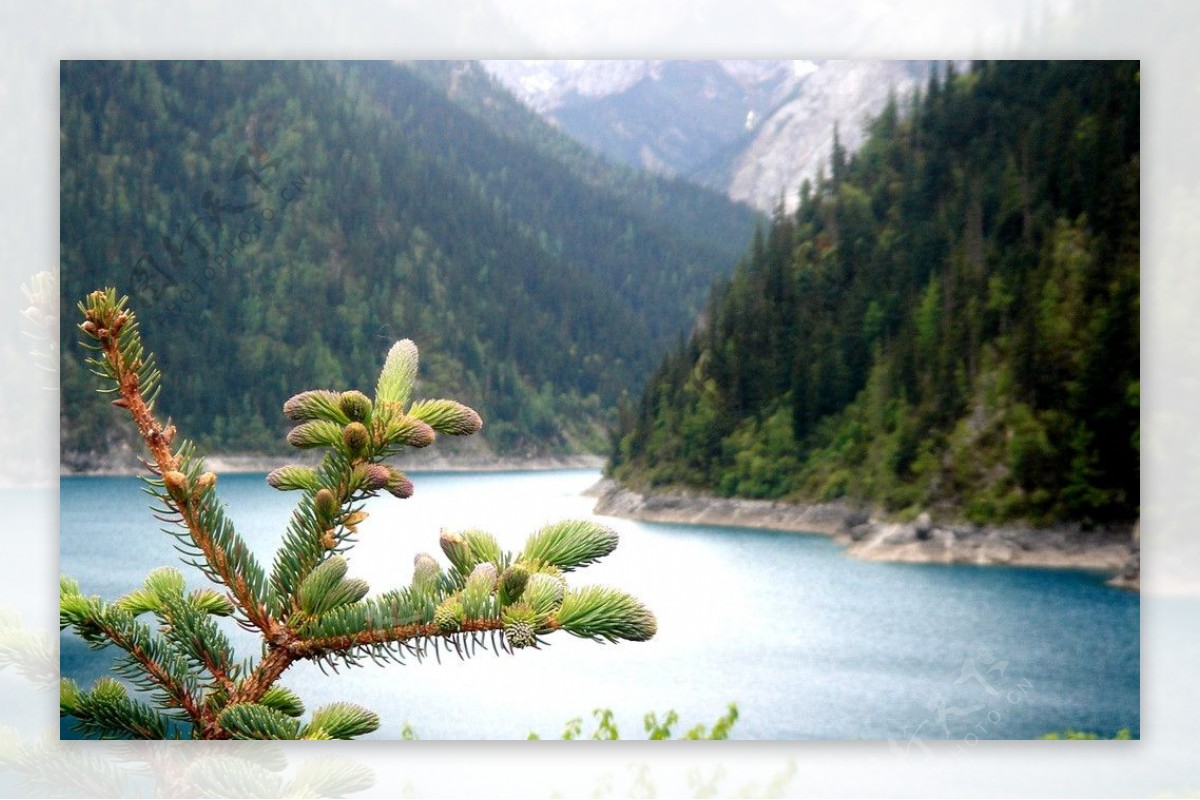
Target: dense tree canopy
column 949, row 320
column 279, row 213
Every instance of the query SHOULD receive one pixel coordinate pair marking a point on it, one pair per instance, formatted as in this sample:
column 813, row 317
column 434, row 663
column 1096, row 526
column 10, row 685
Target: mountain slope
column 281, row 223
column 670, row 238
column 752, row 129
column 949, row 321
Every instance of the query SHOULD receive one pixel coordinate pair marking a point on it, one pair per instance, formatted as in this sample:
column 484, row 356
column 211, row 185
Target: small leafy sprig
column 308, row 607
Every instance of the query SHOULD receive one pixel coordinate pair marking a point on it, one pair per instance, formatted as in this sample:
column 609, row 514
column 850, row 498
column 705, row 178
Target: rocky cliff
column 870, row 536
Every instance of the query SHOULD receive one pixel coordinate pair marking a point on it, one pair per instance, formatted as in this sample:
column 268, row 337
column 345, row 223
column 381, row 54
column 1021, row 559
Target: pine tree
column 308, row 607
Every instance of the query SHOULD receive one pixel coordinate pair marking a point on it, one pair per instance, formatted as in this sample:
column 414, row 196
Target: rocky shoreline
column 1115, row 550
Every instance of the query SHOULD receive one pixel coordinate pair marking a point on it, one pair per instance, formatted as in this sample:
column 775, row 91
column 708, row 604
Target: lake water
column 810, row 644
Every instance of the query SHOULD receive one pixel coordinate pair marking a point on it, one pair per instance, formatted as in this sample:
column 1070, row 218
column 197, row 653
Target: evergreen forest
column 949, row 320
column 285, row 222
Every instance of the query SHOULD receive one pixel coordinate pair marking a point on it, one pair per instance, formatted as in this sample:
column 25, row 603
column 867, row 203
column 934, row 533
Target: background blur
column 1158, row 33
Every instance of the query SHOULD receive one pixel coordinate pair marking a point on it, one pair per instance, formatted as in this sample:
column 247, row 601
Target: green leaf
column 69, row 695
column 293, row 476
column 316, row 433
column 166, row 583
column 597, row 612
column 447, row 416
column 318, row 404
column 469, row 548
column 511, row 584
column 255, row 721
column 330, row 777
column 283, row 700
column 398, row 375
column 543, row 593
column 342, row 721
column 211, row 602
column 408, row 431
column 477, row 594
column 77, row 610
column 348, row 591
column 139, row 601
column 570, row 544
column 456, row 549
column 426, row 573
column 326, row 587
column 108, row 712
column 108, row 690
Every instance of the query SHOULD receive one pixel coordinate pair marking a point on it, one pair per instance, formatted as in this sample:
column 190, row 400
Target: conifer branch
column 310, row 608
column 319, row 646
column 108, row 712
column 263, row 677
column 161, row 667
column 123, row 360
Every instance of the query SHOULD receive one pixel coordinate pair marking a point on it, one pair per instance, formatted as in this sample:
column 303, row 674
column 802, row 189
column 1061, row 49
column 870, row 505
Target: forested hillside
column 949, row 321
column 284, row 222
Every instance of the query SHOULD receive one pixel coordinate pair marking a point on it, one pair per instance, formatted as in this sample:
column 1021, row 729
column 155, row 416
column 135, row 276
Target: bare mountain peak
column 754, row 129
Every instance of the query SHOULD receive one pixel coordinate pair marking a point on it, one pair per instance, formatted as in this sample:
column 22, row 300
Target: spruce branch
column 181, row 487
column 310, row 607
column 108, row 712
column 150, row 662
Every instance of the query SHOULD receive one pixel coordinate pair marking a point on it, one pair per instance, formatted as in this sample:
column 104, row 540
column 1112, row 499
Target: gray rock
column 897, row 533
column 860, row 532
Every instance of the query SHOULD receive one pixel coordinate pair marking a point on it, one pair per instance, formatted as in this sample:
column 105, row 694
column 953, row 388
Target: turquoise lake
column 810, row 643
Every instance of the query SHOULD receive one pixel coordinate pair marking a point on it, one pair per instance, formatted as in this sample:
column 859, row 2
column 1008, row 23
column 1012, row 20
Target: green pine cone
column 326, row 504
column 355, row 405
column 448, row 616
column 356, row 438
column 520, row 634
column 426, row 573
column 520, row 626
column 512, row 583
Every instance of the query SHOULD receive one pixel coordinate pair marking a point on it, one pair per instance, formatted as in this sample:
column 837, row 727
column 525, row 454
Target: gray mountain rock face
column 754, row 130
